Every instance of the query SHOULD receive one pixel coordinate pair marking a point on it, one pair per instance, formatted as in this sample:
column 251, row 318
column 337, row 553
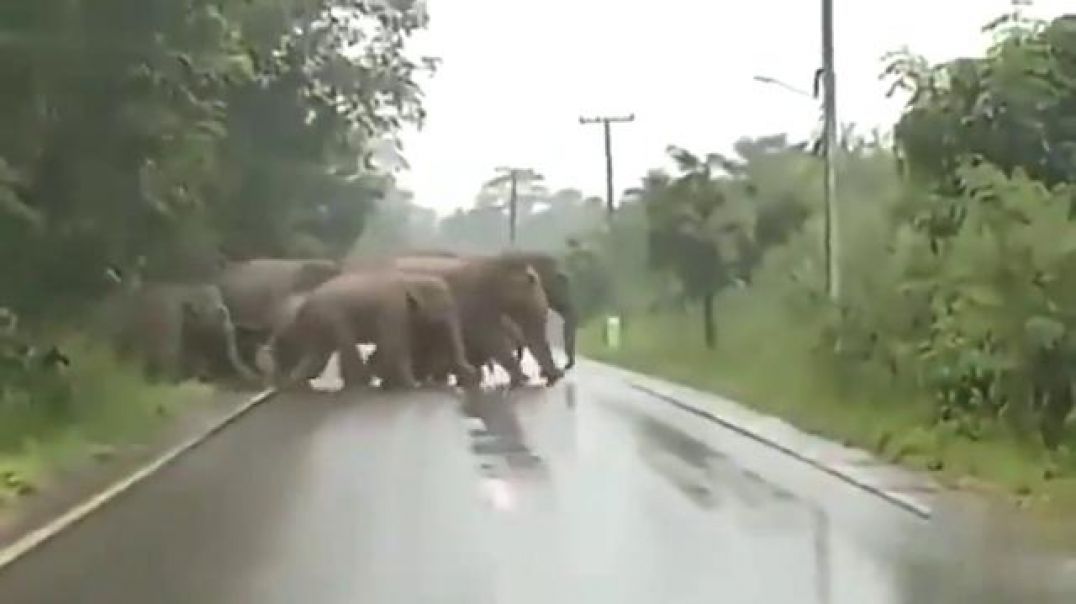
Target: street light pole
column 775, row 82
column 605, row 121
column 830, row 236
column 832, row 232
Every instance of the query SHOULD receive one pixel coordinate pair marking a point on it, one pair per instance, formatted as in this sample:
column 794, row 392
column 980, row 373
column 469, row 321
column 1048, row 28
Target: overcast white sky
column 517, row 74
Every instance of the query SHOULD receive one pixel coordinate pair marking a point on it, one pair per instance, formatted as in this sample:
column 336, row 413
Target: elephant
column 253, row 291
column 555, row 282
column 558, row 291
column 382, row 308
column 485, row 289
column 177, row 330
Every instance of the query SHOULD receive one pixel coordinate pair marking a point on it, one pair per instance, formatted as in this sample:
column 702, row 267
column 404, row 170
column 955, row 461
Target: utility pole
column 605, row 121
column 613, row 324
column 832, row 232
column 512, row 176
column 513, row 208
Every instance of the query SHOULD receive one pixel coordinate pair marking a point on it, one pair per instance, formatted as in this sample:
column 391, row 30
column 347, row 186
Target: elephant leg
column 353, row 370
column 502, row 353
column 466, row 373
column 318, row 366
column 426, row 366
column 299, row 374
column 247, row 342
column 539, row 346
column 394, row 344
column 341, row 336
column 399, row 374
column 231, row 350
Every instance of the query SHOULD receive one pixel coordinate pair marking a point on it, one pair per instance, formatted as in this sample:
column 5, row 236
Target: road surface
column 589, row 492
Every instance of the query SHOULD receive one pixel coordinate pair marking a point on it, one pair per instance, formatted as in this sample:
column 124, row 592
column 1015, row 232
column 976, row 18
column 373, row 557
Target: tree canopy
column 158, row 136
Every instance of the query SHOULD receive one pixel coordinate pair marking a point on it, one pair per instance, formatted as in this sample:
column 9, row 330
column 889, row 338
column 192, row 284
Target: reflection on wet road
column 588, row 492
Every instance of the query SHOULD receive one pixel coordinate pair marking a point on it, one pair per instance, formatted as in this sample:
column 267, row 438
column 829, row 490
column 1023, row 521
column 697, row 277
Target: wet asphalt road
column 588, row 492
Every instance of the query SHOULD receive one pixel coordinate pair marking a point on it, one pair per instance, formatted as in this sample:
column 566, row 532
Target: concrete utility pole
column 513, row 207
column 605, row 121
column 512, row 176
column 829, row 79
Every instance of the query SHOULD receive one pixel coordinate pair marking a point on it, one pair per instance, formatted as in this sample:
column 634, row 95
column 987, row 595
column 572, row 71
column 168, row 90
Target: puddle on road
column 496, row 435
column 705, row 476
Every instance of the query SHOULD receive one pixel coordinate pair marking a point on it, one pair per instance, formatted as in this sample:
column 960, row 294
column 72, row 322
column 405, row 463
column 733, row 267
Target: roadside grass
column 100, row 407
column 783, row 375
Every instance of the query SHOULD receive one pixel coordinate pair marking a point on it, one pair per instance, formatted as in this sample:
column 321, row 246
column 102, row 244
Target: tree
column 711, row 224
column 519, row 189
column 156, row 136
column 1011, row 108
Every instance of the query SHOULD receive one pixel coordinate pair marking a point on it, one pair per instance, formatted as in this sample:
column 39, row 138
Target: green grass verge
column 783, row 375
column 107, row 406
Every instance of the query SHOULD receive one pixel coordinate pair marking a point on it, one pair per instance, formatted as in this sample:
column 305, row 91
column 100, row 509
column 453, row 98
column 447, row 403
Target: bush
column 67, row 402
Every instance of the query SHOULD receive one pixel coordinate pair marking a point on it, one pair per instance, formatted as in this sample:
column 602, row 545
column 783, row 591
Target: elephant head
column 521, row 295
column 558, row 291
column 176, row 329
column 206, row 327
column 436, row 322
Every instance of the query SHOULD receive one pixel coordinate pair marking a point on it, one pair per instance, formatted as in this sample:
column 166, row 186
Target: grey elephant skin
column 487, row 288
column 555, row 282
column 254, row 291
column 382, row 308
column 558, row 291
column 175, row 330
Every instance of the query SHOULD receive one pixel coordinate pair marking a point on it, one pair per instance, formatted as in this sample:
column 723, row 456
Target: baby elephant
column 379, row 308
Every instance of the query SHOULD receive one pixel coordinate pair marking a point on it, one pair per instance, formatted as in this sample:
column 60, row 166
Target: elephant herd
column 429, row 315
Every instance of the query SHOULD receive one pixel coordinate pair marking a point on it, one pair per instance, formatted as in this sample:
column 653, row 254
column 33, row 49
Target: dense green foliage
column 958, row 249
column 154, row 136
column 152, row 139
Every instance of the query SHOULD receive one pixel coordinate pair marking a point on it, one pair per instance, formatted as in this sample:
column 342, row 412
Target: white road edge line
column 79, row 512
column 908, row 504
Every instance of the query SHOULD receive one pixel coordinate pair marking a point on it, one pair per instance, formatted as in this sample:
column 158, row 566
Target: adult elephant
column 176, row 330
column 558, row 291
column 487, row 288
column 555, row 282
column 381, row 308
column 254, row 290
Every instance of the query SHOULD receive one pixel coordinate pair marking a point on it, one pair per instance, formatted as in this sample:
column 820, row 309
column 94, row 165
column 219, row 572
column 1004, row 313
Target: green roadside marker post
column 612, row 332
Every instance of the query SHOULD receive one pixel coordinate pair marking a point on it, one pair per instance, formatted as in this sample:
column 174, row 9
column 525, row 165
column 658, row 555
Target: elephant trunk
column 231, row 350
column 237, row 363
column 570, row 320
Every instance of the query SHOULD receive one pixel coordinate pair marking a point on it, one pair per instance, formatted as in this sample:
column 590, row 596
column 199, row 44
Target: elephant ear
column 428, row 301
column 204, row 305
column 314, row 273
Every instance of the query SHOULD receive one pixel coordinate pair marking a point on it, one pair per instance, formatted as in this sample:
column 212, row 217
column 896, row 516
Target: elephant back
column 482, row 283
column 253, row 289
